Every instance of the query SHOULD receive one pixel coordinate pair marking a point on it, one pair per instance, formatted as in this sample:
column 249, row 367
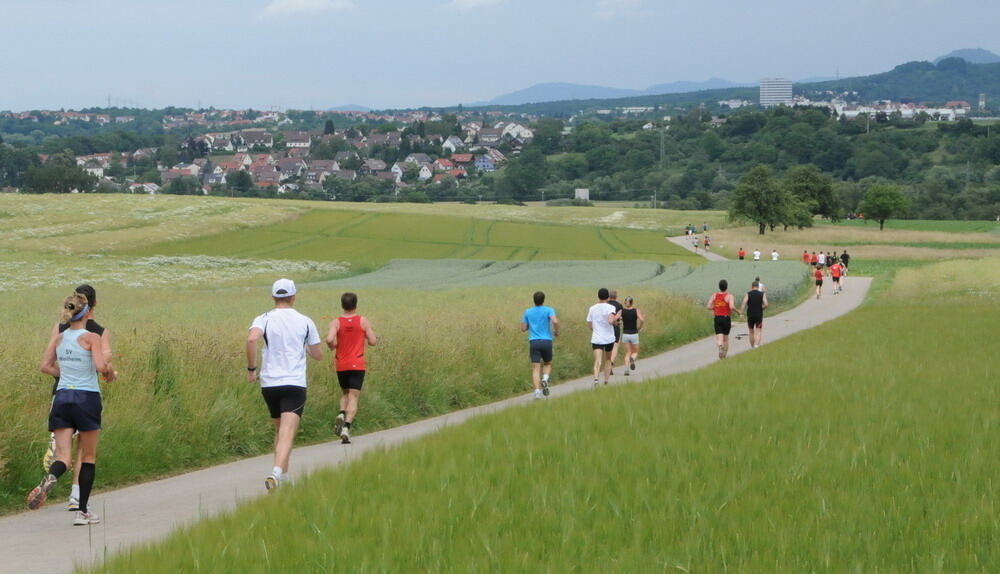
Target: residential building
column 775, row 92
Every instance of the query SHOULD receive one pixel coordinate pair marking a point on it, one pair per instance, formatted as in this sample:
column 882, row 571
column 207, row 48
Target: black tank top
column 755, row 304
column 630, row 321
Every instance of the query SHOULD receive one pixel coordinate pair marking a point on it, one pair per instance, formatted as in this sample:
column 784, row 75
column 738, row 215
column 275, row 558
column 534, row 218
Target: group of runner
column 723, row 305
column 741, row 254
column 79, row 349
column 826, row 264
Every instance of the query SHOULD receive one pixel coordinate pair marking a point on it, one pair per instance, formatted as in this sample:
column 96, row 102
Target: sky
column 317, row 54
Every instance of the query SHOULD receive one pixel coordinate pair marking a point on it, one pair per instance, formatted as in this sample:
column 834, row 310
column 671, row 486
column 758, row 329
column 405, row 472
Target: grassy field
column 882, row 458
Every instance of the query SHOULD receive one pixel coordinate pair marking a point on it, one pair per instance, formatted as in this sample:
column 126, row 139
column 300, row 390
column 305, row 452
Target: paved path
column 45, row 541
column 685, row 242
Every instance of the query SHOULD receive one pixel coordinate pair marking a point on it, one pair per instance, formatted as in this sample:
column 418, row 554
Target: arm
column 315, row 351
column 106, row 346
column 555, row 325
column 765, row 300
column 48, row 364
column 93, row 343
column 710, row 301
column 524, row 326
column 252, row 338
column 370, row 335
column 743, row 305
column 732, row 304
column 641, row 319
column 331, row 334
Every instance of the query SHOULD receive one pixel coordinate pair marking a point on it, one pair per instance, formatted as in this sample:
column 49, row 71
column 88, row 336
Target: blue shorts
column 540, row 350
column 76, row 409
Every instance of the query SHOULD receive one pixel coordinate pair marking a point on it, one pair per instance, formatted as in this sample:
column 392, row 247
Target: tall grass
column 870, row 444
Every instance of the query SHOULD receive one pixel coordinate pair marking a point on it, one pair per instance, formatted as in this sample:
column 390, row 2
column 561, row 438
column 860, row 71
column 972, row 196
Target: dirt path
column 45, row 541
column 685, row 242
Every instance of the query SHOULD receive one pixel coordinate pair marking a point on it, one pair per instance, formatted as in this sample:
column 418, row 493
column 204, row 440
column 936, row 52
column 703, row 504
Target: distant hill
column 349, row 108
column 972, row 56
column 559, row 91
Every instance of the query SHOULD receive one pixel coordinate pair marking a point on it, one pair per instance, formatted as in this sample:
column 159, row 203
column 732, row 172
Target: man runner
column 288, row 335
column 347, row 336
column 722, row 305
column 836, row 272
column 756, row 254
column 754, row 303
column 542, row 325
column 601, row 318
column 613, row 301
column 741, row 254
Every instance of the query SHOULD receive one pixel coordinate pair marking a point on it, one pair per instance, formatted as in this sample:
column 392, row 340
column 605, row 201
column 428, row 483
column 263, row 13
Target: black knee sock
column 87, row 472
column 347, row 424
column 57, row 468
column 343, row 413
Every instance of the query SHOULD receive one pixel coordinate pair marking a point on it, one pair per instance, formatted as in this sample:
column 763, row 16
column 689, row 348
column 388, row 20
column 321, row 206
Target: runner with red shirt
column 836, row 274
column 723, row 306
column 347, row 337
column 818, row 275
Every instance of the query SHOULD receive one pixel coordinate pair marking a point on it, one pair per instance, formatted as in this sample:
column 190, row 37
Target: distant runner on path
column 836, row 275
column 613, row 301
column 818, row 276
column 741, row 254
column 288, row 335
column 542, row 325
column 75, row 356
column 346, row 337
column 756, row 254
column 601, row 318
column 753, row 305
column 722, row 305
column 632, row 320
column 845, row 259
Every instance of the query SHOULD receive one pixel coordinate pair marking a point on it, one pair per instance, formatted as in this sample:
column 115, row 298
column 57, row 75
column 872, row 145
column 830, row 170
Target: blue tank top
column 76, row 364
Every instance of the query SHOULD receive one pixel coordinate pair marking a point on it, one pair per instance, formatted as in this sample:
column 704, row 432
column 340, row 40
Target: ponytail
column 75, row 307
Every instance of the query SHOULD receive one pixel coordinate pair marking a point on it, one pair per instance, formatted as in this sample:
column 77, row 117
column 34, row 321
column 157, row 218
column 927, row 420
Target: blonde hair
column 71, row 306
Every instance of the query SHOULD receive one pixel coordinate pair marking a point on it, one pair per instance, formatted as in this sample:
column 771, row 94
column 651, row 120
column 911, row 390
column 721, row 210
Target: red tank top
column 720, row 305
column 818, row 274
column 350, row 344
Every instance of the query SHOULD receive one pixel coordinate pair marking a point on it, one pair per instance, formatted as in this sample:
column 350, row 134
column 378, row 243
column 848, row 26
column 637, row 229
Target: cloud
column 277, row 8
column 608, row 9
column 473, row 4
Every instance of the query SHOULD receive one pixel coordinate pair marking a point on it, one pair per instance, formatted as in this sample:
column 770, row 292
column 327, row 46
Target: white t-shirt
column 760, row 287
column 286, row 335
column 774, row 256
column 821, row 259
column 604, row 332
column 756, row 255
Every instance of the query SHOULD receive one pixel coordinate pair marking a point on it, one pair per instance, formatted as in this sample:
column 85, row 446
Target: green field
column 950, row 226
column 880, row 457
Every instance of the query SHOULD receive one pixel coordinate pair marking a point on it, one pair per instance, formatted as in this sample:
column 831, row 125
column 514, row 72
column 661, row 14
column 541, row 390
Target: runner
column 756, row 254
column 613, row 301
column 774, row 255
column 708, row 242
column 845, row 259
column 805, row 257
column 818, row 275
column 75, row 356
column 723, row 305
column 346, row 337
column 288, row 335
column 542, row 325
column 821, row 259
column 814, row 259
column 763, row 289
column 632, row 320
column 836, row 272
column 601, row 318
column 50, row 452
column 742, row 254
column 754, row 303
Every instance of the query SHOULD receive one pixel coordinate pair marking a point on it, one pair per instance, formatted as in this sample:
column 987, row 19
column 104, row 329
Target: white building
column 775, row 92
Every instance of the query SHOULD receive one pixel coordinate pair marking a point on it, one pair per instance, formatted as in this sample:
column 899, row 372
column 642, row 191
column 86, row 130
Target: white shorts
column 630, row 338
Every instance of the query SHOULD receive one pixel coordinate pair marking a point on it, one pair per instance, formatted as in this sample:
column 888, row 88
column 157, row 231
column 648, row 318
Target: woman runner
column 76, row 358
column 632, row 321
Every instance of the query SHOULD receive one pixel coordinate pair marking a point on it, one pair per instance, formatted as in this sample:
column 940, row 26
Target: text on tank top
column 630, row 321
column 76, row 364
column 720, row 305
column 350, row 344
column 755, row 304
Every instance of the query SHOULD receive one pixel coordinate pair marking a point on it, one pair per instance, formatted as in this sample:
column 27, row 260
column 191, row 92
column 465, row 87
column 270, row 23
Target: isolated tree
column 328, row 127
column 882, row 202
column 759, row 198
column 815, row 189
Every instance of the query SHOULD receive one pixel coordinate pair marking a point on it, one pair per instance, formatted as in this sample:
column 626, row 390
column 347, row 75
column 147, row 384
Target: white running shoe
column 271, row 482
column 345, row 435
column 39, row 494
column 86, row 518
column 338, row 424
column 50, row 453
column 545, row 387
column 73, row 505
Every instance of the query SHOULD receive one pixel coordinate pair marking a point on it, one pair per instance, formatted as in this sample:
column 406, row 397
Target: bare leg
column 64, row 445
column 598, row 355
column 607, row 366
column 546, row 370
column 284, row 436
column 536, row 375
column 753, row 337
column 353, row 395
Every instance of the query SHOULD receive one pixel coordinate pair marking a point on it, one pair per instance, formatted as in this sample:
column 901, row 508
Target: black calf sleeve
column 87, row 472
column 57, row 468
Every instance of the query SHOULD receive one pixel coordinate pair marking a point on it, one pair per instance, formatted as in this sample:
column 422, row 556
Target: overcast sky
column 407, row 53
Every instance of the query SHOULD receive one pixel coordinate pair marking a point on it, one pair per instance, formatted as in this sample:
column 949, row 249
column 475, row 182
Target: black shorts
column 755, row 322
column 351, row 379
column 618, row 333
column 819, row 282
column 607, row 347
column 75, row 409
column 836, row 279
column 741, row 258
column 540, row 350
column 723, row 325
column 284, row 399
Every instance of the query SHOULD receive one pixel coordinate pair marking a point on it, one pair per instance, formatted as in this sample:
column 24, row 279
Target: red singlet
column 350, row 344
column 720, row 305
column 818, row 274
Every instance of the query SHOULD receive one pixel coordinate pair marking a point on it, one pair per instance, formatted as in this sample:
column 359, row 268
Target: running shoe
column 338, row 424
column 73, row 505
column 596, row 383
column 631, row 364
column 545, row 387
column 626, row 372
column 538, row 393
column 271, row 482
column 38, row 495
column 50, row 454
column 86, row 518
column 345, row 436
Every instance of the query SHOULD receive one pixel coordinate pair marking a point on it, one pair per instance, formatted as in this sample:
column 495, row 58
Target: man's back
column 597, row 316
column 286, row 333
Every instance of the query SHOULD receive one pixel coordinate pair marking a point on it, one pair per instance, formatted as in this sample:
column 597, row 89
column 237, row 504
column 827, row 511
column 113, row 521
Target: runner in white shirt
column 601, row 318
column 821, row 259
column 756, row 254
column 287, row 336
column 774, row 255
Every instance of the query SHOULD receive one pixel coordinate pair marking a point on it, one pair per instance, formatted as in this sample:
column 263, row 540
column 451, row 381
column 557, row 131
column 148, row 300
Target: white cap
column 283, row 288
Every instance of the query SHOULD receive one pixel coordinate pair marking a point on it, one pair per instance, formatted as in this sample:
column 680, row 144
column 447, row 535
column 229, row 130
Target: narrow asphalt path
column 685, row 241
column 45, row 541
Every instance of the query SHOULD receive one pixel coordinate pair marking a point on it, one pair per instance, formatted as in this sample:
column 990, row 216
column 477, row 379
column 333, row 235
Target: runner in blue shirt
column 542, row 325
